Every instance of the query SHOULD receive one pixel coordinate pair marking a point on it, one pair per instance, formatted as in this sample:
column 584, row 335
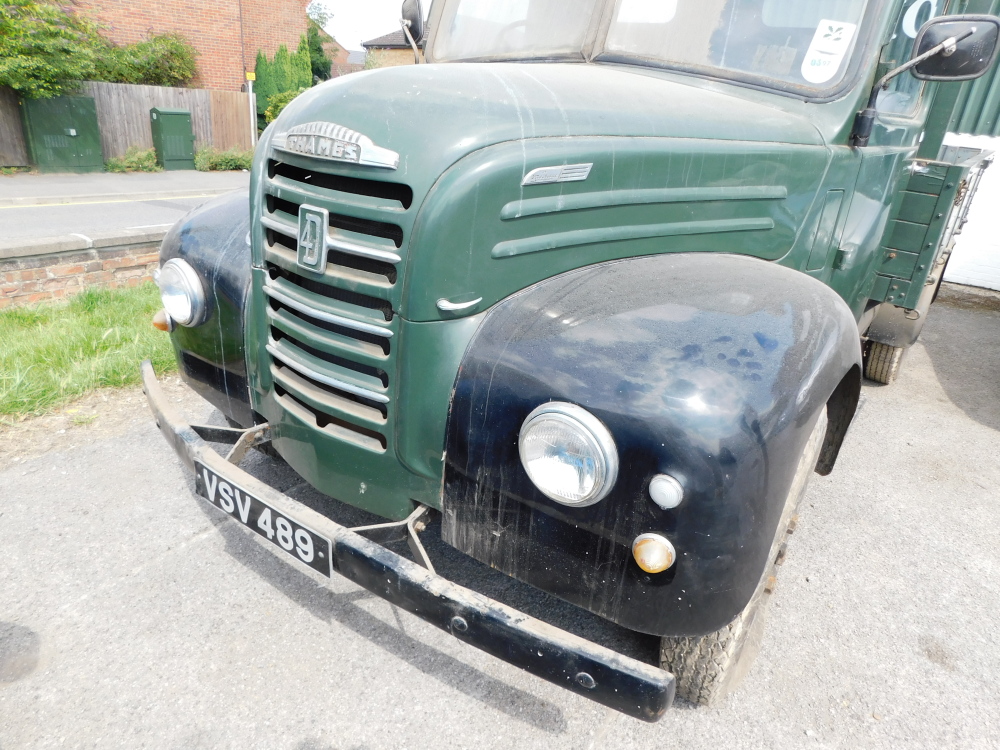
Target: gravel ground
column 133, row 615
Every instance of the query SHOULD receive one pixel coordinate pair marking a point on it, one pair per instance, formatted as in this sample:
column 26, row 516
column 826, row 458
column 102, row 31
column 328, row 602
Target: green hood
column 433, row 115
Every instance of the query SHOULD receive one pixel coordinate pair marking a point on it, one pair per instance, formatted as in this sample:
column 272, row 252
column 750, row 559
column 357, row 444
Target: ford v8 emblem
column 313, row 238
column 327, row 140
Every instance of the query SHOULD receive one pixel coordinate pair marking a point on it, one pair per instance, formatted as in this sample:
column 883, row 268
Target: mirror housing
column 413, row 16
column 970, row 58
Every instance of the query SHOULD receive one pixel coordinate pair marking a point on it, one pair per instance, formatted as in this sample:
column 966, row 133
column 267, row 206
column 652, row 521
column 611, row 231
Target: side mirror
column 413, row 16
column 970, row 57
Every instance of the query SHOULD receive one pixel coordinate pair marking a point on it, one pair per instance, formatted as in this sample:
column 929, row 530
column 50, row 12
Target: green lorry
column 590, row 295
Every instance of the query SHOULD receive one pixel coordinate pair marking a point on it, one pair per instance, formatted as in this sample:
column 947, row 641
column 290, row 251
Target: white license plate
column 285, row 533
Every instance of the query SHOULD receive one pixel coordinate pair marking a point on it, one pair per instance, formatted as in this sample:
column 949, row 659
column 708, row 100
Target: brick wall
column 24, row 281
column 226, row 33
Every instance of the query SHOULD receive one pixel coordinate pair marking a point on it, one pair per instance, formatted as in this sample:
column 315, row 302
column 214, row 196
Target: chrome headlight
column 569, row 454
column 183, row 293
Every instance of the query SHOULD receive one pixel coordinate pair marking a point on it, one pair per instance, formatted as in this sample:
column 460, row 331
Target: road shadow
column 342, row 608
column 963, row 344
column 19, row 650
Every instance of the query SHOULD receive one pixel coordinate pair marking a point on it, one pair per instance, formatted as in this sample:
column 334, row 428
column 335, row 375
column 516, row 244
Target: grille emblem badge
column 313, row 238
column 327, row 140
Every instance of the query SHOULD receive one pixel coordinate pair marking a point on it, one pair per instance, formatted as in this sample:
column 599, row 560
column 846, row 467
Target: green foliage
column 264, row 85
column 375, row 59
column 44, row 51
column 282, row 79
column 53, row 353
column 136, row 159
column 281, row 70
column 213, row 160
column 319, row 13
column 318, row 58
column 161, row 60
column 278, row 103
column 302, row 65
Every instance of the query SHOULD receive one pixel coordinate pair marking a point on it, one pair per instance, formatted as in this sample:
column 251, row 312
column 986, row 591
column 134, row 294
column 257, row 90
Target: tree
column 302, row 65
column 278, row 104
column 264, row 85
column 281, row 70
column 161, row 60
column 319, row 18
column 319, row 60
column 44, row 51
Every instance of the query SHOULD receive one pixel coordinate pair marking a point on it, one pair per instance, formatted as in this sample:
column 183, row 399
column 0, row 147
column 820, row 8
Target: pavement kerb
column 23, row 248
column 66, row 200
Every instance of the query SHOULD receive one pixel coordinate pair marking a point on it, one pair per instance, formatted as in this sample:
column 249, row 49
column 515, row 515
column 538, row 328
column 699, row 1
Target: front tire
column 882, row 362
column 709, row 667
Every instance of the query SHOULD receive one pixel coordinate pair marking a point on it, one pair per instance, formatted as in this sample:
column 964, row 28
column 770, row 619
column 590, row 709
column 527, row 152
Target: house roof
column 356, row 58
column 395, row 40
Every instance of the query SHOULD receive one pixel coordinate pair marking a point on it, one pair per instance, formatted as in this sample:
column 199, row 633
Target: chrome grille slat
column 366, row 283
column 320, row 314
column 311, row 395
column 292, row 405
column 320, row 377
column 366, row 207
column 336, row 243
column 356, row 349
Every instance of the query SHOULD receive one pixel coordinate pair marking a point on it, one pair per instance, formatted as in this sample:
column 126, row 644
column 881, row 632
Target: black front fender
column 214, row 240
column 710, row 368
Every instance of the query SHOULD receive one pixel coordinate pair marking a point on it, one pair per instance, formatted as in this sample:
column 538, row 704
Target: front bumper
column 595, row 672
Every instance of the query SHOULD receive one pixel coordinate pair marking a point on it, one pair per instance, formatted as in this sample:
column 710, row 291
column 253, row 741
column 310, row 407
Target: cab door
column 886, row 166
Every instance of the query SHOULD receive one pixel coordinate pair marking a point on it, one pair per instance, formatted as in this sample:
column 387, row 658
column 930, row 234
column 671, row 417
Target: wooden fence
column 13, row 152
column 219, row 118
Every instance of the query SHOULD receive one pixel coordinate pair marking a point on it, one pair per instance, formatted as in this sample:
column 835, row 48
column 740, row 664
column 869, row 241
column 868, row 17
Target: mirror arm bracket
column 409, row 37
column 864, row 122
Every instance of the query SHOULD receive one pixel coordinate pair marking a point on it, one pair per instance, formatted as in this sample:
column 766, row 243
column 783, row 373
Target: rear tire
column 882, row 362
column 709, row 667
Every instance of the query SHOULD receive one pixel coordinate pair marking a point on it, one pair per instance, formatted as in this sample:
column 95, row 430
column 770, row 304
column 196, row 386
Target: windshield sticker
column 647, row 11
column 829, row 47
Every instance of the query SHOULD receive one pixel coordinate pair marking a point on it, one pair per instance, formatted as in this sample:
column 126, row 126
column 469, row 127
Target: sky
column 356, row 22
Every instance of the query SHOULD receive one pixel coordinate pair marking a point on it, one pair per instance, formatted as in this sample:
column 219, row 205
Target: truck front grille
column 330, row 344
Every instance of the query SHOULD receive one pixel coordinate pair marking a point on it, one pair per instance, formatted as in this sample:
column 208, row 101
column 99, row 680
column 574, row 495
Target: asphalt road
column 48, row 220
column 132, row 615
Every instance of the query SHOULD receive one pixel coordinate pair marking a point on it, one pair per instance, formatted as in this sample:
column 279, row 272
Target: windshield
column 520, row 29
column 805, row 43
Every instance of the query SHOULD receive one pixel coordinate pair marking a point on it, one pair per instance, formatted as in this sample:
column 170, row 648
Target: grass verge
column 54, row 353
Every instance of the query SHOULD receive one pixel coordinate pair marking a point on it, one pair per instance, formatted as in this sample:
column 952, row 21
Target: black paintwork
column 712, row 368
column 213, row 239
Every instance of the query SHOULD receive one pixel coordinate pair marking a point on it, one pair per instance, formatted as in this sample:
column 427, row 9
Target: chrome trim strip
column 337, row 320
column 609, row 198
column 326, row 379
column 552, row 175
column 616, row 234
column 333, row 242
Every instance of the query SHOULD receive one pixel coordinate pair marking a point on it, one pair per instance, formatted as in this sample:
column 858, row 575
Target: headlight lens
column 182, row 293
column 569, row 454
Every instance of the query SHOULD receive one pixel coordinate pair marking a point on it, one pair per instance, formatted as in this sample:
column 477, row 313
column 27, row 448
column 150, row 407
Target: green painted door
column 63, row 134
column 173, row 138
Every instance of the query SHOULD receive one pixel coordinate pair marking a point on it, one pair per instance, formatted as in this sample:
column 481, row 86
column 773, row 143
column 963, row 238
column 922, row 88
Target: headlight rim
column 195, row 288
column 588, row 425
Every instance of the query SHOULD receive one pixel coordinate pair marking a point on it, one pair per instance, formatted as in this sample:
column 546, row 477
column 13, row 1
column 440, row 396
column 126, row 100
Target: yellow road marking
column 101, row 203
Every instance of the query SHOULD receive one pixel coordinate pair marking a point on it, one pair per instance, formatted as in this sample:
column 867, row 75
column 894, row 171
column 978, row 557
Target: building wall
column 391, row 58
column 226, row 33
